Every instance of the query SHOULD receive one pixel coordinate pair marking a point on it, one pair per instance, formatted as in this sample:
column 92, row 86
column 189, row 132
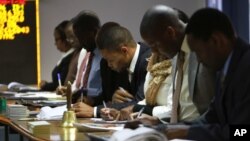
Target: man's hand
column 87, row 100
column 83, row 110
column 110, row 114
column 61, row 90
column 126, row 112
column 146, row 119
column 176, row 131
column 42, row 83
column 132, row 124
column 121, row 96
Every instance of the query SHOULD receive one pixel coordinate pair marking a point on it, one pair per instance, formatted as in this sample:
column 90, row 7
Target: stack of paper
column 16, row 86
column 48, row 113
column 17, row 111
column 39, row 127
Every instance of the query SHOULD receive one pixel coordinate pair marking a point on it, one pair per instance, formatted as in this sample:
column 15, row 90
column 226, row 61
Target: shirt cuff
column 95, row 110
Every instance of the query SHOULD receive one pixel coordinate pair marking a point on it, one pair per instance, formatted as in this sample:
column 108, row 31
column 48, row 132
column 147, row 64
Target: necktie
column 176, row 94
column 86, row 74
column 81, row 70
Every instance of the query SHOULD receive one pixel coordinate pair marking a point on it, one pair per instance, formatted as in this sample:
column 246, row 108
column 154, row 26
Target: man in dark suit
column 123, row 58
column 127, row 60
column 212, row 38
column 163, row 29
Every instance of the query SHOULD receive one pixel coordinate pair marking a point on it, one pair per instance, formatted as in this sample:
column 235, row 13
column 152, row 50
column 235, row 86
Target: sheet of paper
column 48, row 113
column 48, row 95
column 100, row 120
column 95, row 127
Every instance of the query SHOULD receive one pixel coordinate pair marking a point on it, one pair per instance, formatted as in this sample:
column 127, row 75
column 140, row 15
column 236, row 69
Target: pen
column 128, row 99
column 105, row 106
column 82, row 95
column 59, row 80
column 140, row 112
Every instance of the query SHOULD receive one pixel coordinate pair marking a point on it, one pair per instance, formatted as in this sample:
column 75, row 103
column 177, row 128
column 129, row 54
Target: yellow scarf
column 159, row 69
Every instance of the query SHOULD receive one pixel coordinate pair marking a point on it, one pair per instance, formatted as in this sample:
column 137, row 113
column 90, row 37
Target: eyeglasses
column 70, row 40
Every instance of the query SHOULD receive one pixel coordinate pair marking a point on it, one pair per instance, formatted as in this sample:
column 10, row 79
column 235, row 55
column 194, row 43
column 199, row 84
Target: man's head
column 210, row 35
column 162, row 30
column 117, row 45
column 71, row 37
column 60, row 37
column 86, row 25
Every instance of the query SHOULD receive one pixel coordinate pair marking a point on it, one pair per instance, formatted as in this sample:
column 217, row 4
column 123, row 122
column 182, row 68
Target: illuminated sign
column 19, row 41
column 12, row 1
column 9, row 22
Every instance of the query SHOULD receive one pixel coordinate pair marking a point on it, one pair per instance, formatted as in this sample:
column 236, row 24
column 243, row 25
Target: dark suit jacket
column 231, row 106
column 62, row 68
column 111, row 80
column 201, row 84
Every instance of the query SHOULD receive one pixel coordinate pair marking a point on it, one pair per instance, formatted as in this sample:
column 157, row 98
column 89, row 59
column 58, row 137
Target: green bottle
column 3, row 106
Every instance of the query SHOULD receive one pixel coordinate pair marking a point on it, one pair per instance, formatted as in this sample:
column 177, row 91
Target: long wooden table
column 57, row 133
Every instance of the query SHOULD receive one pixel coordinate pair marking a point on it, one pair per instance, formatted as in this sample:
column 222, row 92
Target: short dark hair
column 182, row 15
column 208, row 20
column 60, row 28
column 112, row 35
column 85, row 21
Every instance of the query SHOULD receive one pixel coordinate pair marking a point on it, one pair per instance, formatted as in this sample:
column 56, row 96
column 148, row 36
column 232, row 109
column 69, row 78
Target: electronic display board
column 19, row 41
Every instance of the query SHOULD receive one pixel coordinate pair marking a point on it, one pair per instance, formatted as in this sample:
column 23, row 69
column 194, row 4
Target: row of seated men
column 185, row 71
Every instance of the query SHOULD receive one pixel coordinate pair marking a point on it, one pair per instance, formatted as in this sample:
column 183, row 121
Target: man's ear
column 170, row 32
column 216, row 40
column 124, row 49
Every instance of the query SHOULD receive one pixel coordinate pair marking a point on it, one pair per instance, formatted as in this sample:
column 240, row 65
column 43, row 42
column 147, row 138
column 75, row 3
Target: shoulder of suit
column 145, row 49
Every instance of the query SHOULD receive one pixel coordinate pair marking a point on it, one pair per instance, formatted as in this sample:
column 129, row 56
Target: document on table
column 100, row 120
column 97, row 127
column 48, row 113
column 48, row 95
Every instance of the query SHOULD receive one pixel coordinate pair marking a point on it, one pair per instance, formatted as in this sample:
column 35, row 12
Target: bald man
column 165, row 33
column 218, row 47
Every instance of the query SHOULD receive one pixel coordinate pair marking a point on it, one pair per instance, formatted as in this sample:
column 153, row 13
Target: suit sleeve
column 236, row 99
column 201, row 130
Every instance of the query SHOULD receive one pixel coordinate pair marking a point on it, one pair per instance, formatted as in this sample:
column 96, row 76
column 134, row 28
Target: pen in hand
column 140, row 112
column 128, row 99
column 59, row 80
column 105, row 106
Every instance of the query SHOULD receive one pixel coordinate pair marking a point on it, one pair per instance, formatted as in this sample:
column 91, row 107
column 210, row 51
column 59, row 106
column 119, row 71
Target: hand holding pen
column 137, row 114
column 128, row 99
column 107, row 109
column 121, row 96
column 59, row 80
column 140, row 112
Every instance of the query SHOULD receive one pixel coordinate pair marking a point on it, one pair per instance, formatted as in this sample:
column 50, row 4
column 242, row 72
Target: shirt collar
column 96, row 51
column 184, row 46
column 65, row 55
column 68, row 52
column 134, row 60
